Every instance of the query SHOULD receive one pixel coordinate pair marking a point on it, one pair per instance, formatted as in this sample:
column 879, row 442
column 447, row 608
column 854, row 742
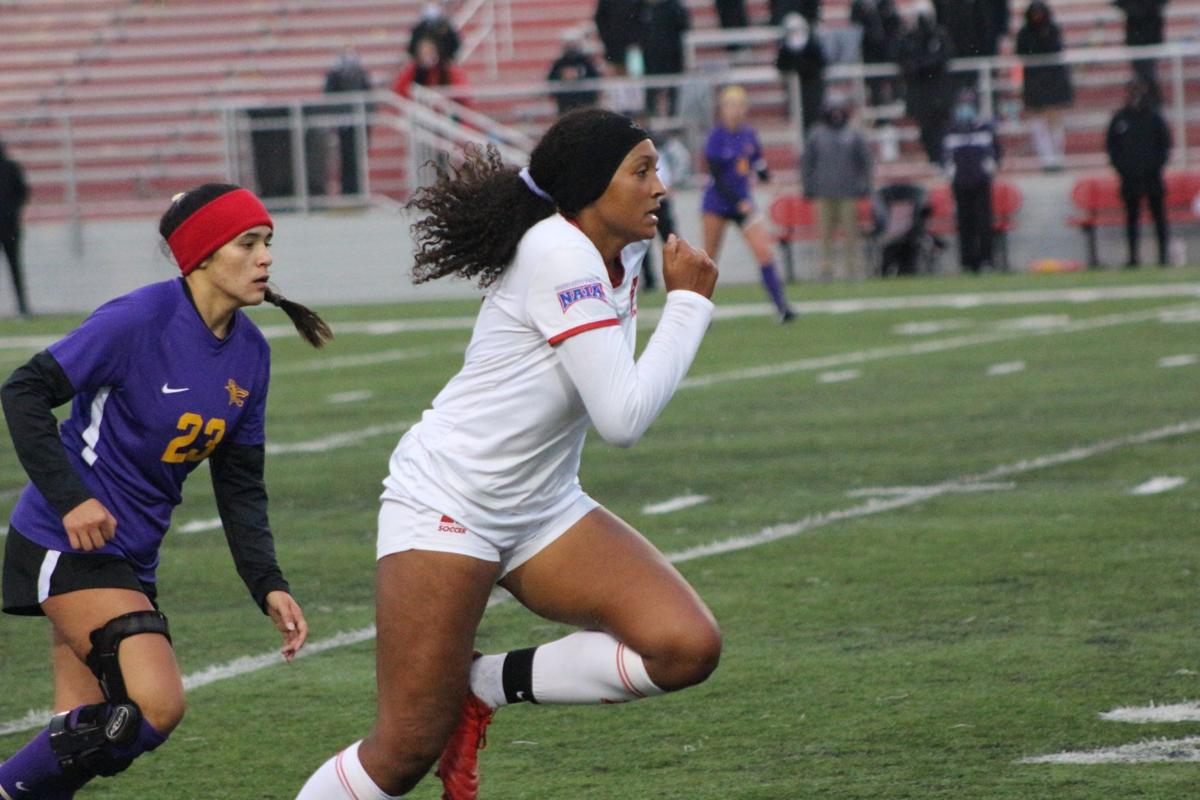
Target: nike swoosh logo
column 168, row 390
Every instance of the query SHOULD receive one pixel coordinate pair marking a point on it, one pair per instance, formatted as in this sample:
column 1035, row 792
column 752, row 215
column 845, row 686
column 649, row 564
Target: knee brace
column 103, row 739
column 106, row 642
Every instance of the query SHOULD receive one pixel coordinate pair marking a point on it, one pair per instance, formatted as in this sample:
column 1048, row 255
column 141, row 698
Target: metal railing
column 487, row 24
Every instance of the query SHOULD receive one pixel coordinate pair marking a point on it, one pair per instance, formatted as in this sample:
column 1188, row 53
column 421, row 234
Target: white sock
column 343, row 778
column 1043, row 141
column 487, row 680
column 589, row 667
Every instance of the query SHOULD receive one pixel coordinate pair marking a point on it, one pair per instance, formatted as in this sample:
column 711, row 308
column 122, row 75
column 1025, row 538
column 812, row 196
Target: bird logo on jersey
column 237, row 395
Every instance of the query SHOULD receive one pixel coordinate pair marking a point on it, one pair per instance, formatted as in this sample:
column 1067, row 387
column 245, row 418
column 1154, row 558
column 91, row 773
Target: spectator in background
column 14, row 193
column 663, row 24
column 429, row 69
column 881, row 31
column 617, row 24
column 1046, row 90
column 836, row 172
column 1138, row 141
column 923, row 56
column 733, row 152
column 435, row 24
column 801, row 52
column 732, row 14
column 809, row 9
column 347, row 75
column 975, row 26
column 972, row 154
column 573, row 65
column 1144, row 24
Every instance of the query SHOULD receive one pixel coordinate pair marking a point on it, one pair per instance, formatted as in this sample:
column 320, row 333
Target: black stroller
column 902, row 241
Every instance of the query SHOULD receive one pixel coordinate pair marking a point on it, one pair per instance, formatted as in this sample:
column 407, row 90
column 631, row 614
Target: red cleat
column 459, row 765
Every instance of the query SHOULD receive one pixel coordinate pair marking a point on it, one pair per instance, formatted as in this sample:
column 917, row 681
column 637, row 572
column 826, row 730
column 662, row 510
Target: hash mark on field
column 200, row 525
column 1005, row 368
column 1158, row 485
column 1158, row 750
column 1184, row 360
column 839, row 376
column 1177, row 712
column 356, row 396
column 675, row 504
column 933, row 326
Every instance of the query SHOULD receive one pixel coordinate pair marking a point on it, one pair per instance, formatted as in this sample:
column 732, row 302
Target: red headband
column 213, row 225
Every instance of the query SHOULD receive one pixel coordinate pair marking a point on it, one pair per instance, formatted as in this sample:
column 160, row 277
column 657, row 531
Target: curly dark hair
column 475, row 216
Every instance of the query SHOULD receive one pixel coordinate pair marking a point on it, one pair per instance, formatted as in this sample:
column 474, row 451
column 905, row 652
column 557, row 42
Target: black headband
column 576, row 159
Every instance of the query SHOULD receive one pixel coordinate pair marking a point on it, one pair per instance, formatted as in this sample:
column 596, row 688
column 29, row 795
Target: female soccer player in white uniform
column 485, row 488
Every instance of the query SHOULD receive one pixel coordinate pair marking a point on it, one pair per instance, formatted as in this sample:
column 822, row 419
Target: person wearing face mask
column 837, row 171
column 1138, row 141
column 924, row 54
column 800, row 52
column 972, row 154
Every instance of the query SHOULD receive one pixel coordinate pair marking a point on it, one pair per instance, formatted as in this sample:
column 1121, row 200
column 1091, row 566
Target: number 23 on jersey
column 180, row 448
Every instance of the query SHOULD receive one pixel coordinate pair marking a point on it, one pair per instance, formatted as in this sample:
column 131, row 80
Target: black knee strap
column 106, row 641
column 87, row 746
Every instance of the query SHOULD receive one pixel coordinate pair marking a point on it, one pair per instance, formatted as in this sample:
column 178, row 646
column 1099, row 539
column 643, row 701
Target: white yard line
column 891, row 491
column 1184, row 360
column 736, row 310
column 364, row 360
column 919, row 494
column 1157, row 750
column 675, row 504
column 199, row 525
column 1163, row 483
column 918, row 348
column 337, row 440
column 1176, row 712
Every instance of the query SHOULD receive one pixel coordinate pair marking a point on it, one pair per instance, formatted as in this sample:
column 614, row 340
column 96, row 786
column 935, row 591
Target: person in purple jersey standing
column 161, row 379
column 733, row 152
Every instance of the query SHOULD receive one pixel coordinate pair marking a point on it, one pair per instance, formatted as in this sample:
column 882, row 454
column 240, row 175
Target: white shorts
column 406, row 524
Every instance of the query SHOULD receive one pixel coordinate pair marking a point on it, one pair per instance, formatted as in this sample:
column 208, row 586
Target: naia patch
column 571, row 293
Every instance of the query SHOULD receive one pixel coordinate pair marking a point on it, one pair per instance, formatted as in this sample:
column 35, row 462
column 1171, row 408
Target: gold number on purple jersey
column 180, row 448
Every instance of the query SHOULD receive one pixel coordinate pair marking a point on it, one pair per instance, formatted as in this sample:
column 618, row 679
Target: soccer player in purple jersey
column 161, row 379
column 733, row 152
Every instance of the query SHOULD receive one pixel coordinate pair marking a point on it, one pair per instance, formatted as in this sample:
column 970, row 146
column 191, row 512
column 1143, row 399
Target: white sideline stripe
column 1185, row 360
column 1005, row 368
column 919, row 494
column 839, row 376
column 200, row 525
column 915, row 349
column 675, row 504
column 356, row 396
column 336, row 440
column 1177, row 712
column 363, row 360
column 1156, row 750
column 876, row 491
column 849, row 306
column 1163, row 483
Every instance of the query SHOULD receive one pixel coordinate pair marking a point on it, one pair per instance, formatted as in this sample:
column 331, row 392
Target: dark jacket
column 1045, row 86
column 972, row 151
column 975, row 26
column 809, row 9
column 1138, row 141
column 923, row 55
column 882, row 28
column 617, row 25
column 574, row 65
column 661, row 36
column 14, row 193
column 1144, row 20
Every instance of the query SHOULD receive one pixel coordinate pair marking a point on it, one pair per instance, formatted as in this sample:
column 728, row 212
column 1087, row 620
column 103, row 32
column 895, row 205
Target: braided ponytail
column 311, row 327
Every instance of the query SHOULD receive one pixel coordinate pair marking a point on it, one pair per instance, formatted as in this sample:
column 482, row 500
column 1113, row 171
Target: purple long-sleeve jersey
column 156, row 392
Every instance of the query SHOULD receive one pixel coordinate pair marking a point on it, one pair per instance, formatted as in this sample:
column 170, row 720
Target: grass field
column 926, row 554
